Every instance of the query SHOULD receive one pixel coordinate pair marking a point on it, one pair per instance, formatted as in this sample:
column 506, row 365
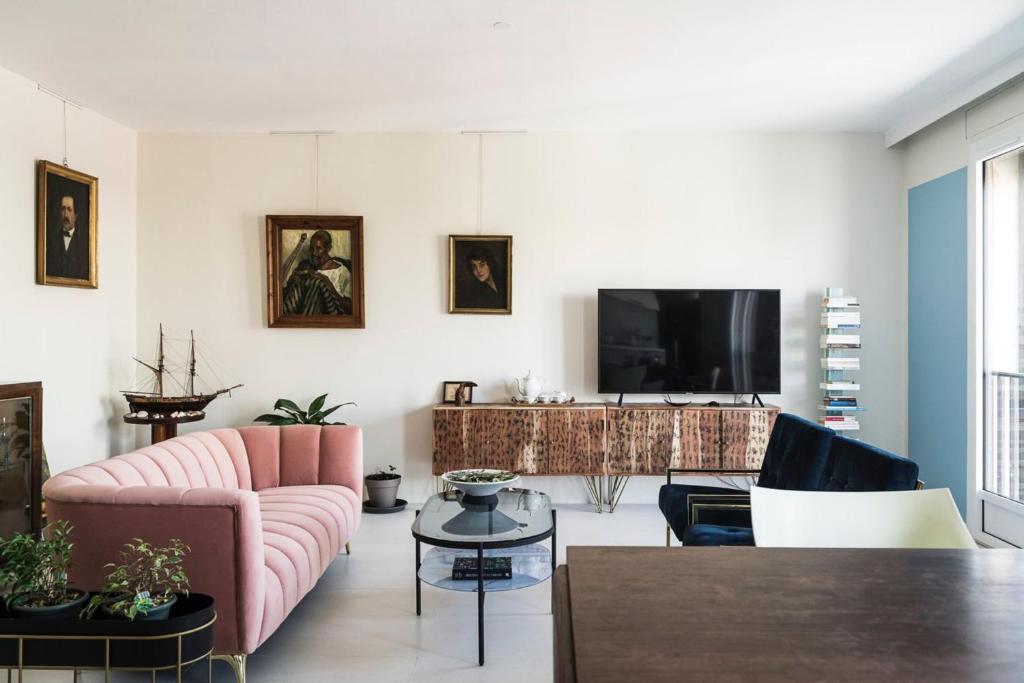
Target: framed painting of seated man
column 315, row 271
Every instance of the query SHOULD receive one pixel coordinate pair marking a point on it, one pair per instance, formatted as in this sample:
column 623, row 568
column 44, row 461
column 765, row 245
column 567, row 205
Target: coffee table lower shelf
column 531, row 564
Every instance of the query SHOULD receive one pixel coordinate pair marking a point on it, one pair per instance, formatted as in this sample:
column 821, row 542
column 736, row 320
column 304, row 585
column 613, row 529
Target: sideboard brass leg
column 616, row 485
column 153, row 675
column 593, row 483
column 237, row 664
column 348, row 548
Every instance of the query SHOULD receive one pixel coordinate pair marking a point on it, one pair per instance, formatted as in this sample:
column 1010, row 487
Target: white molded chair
column 876, row 519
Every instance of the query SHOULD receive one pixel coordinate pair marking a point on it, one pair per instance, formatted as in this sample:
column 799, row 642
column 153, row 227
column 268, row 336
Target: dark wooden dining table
column 643, row 614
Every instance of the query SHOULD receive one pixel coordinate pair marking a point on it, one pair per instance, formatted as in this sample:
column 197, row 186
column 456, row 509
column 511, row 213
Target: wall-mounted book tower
column 840, row 355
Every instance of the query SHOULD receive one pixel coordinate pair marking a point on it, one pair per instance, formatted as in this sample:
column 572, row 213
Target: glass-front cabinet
column 21, row 452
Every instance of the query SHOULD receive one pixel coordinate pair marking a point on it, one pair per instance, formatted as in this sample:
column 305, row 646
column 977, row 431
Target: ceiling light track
column 302, row 132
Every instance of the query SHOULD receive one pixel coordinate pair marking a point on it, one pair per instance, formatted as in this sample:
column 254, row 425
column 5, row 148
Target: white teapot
column 529, row 387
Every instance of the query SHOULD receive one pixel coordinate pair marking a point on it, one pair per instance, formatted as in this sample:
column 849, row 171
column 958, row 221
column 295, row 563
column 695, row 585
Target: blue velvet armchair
column 801, row 456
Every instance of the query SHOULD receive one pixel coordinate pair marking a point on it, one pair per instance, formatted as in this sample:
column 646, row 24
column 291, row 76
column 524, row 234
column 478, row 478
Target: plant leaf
column 276, row 420
column 316, row 405
column 285, row 404
column 325, row 413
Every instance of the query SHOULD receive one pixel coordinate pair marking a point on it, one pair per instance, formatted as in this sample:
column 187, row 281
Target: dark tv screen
column 701, row 341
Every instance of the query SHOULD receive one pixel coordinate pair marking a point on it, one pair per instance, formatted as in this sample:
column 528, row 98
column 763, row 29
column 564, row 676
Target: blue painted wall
column 937, row 327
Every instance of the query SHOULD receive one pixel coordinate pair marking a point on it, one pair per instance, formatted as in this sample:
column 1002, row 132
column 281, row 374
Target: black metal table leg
column 480, row 601
column 418, row 609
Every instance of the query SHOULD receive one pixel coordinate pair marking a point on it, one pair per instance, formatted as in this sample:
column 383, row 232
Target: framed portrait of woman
column 315, row 271
column 480, row 274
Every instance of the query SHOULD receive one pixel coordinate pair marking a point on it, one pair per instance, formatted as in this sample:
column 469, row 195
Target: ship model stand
column 165, row 412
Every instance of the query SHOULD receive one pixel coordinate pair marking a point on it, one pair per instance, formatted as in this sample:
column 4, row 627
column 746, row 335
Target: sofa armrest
column 221, row 526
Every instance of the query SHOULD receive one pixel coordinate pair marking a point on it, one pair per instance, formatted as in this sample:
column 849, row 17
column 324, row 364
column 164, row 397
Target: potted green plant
column 382, row 487
column 293, row 415
column 146, row 582
column 35, row 572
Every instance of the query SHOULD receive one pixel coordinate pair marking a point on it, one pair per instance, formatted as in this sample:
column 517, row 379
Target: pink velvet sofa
column 264, row 509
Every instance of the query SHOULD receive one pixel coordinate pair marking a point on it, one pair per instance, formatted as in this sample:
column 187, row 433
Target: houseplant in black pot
column 35, row 572
column 382, row 490
column 146, row 582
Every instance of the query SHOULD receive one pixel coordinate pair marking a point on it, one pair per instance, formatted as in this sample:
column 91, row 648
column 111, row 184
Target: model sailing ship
column 156, row 405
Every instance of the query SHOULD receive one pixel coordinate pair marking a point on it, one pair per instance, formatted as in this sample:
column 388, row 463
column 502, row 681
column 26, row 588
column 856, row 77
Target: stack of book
column 840, row 341
column 839, row 385
column 840, row 320
column 841, row 422
column 839, row 402
column 836, row 363
column 495, row 568
column 840, row 301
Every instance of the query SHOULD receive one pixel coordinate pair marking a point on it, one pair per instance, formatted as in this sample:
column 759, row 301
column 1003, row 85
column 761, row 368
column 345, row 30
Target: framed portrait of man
column 480, row 274
column 66, row 226
column 315, row 271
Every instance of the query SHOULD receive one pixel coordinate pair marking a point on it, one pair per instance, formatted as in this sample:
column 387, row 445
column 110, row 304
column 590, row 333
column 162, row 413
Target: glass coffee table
column 511, row 523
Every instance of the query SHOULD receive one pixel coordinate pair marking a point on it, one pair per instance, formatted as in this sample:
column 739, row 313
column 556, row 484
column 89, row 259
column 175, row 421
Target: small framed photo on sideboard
column 450, row 391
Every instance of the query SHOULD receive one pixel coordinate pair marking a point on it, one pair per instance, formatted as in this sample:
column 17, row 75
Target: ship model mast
column 157, row 403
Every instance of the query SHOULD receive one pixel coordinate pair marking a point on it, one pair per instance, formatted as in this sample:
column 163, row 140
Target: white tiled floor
column 360, row 624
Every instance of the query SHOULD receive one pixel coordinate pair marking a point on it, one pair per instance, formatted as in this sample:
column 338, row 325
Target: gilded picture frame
column 480, row 274
column 67, row 226
column 315, row 271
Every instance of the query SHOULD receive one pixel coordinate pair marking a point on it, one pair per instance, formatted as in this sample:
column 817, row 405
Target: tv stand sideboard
column 547, row 440
column 649, row 438
column 598, row 440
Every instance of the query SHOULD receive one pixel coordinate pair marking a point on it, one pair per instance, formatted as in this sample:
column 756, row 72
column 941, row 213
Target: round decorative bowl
column 480, row 483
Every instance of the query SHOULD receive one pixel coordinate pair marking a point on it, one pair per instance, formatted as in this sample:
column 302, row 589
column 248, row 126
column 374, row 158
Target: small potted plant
column 35, row 572
column 382, row 487
column 146, row 582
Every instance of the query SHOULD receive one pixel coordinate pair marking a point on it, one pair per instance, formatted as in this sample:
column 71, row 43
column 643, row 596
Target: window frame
column 1006, row 138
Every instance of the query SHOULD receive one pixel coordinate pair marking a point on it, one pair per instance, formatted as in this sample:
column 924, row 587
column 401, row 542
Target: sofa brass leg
column 237, row 664
column 668, row 536
column 348, row 548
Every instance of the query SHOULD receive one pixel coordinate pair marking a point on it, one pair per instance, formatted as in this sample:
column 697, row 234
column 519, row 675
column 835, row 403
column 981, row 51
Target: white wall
column 78, row 342
column 796, row 212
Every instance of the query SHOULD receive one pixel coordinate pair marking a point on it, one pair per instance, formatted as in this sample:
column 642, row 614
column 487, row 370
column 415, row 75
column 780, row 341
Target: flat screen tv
column 699, row 341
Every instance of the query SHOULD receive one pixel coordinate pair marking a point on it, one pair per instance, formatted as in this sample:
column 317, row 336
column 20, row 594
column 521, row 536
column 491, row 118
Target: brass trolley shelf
column 184, row 638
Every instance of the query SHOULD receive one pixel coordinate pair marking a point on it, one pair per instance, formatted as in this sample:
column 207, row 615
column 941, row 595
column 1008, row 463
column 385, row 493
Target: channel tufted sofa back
column 248, row 458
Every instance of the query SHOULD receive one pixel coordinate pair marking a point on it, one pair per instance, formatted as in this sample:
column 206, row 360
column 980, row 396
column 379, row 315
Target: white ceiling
column 259, row 65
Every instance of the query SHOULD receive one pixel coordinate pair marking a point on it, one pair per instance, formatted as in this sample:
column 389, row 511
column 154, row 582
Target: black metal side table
column 511, row 523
